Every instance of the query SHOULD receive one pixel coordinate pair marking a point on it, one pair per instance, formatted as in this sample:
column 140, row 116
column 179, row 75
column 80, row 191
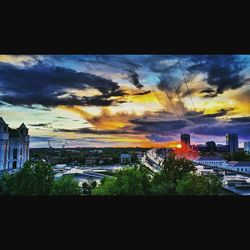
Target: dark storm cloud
column 117, row 62
column 242, row 119
column 201, row 118
column 160, row 138
column 134, row 78
column 241, row 129
column 48, row 86
column 160, row 127
column 43, row 125
column 223, row 71
column 109, row 60
column 209, row 92
column 103, row 100
column 219, row 113
column 165, row 83
column 143, row 93
column 92, row 131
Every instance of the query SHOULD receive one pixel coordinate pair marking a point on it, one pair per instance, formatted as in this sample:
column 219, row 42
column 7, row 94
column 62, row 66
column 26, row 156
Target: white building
column 241, row 167
column 213, row 161
column 14, row 146
column 247, row 146
column 125, row 158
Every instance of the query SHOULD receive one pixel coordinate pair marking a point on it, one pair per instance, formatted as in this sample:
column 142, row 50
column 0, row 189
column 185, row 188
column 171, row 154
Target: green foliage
column 108, row 187
column 176, row 178
column 161, row 185
column 192, row 184
column 33, row 179
column 88, row 186
column 130, row 181
column 237, row 156
column 173, row 169
column 66, row 186
column 6, row 184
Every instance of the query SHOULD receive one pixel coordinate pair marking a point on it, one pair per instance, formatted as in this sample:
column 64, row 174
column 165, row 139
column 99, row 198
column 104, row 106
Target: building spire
column 2, row 121
column 22, row 126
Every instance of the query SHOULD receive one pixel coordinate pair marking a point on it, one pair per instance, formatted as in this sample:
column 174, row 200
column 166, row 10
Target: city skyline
column 126, row 100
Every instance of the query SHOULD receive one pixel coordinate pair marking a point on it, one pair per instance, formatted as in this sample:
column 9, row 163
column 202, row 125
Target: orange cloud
column 106, row 120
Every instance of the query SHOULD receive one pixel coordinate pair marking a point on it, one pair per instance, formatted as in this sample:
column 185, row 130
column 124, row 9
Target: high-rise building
column 185, row 141
column 14, row 146
column 232, row 142
column 247, row 146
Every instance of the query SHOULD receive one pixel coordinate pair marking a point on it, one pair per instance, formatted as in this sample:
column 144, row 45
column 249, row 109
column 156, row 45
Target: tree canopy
column 177, row 177
column 37, row 178
column 192, row 184
column 130, row 181
column 173, row 170
column 66, row 186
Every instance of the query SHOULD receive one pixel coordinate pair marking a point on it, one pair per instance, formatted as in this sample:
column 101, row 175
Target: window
column 14, row 165
column 15, row 153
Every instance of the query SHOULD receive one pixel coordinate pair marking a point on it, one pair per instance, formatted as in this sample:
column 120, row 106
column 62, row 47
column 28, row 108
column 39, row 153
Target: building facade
column 247, row 146
column 14, row 146
column 213, row 161
column 125, row 158
column 237, row 166
column 185, row 141
column 232, row 142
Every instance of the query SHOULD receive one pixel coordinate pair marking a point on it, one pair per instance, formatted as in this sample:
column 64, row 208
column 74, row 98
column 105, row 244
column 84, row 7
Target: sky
column 126, row 100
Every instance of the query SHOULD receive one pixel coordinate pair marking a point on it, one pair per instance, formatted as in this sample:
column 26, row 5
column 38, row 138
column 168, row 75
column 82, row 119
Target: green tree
column 88, row 186
column 34, row 178
column 161, row 185
column 193, row 184
column 237, row 156
column 7, row 184
column 66, row 186
column 173, row 169
column 130, row 181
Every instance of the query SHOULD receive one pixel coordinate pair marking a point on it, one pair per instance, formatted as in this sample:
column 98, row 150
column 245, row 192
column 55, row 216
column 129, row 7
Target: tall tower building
column 14, row 146
column 232, row 142
column 185, row 141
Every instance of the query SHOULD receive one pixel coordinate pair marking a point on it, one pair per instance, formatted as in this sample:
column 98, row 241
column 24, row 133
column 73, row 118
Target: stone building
column 14, row 146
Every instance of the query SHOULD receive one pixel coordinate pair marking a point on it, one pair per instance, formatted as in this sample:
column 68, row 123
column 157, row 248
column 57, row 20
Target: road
column 152, row 160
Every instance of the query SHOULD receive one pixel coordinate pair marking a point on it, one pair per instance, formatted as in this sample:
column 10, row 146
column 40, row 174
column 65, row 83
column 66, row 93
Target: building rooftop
column 232, row 163
column 22, row 126
column 242, row 164
column 211, row 158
